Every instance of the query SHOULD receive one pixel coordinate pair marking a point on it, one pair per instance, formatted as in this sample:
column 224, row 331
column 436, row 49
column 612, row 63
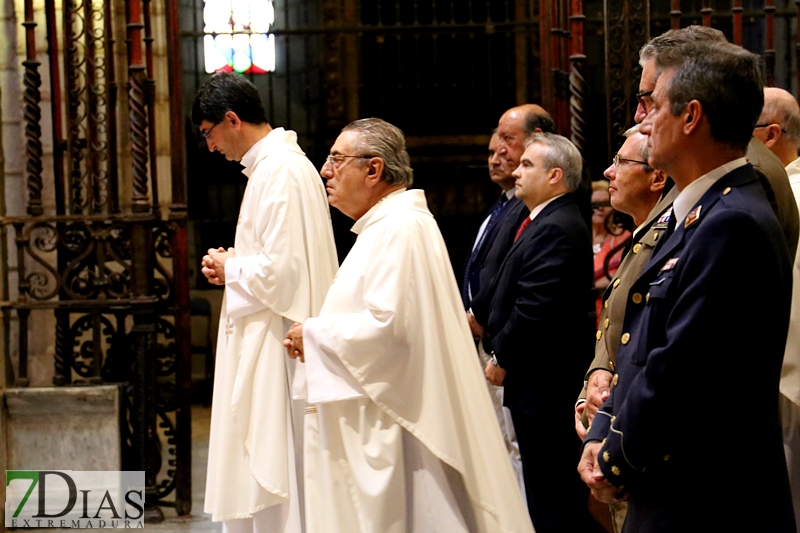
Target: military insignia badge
column 669, row 265
column 663, row 220
column 665, row 216
column 692, row 217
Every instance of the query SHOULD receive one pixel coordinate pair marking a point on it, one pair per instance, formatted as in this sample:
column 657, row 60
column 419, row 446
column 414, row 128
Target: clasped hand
column 590, row 472
column 213, row 264
column 294, row 342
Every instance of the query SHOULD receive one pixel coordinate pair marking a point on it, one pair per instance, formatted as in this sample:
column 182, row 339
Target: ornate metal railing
column 115, row 281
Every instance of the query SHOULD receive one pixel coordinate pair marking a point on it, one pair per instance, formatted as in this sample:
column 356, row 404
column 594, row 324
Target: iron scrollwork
column 82, row 335
column 95, row 257
column 117, row 319
column 87, row 106
column 626, row 31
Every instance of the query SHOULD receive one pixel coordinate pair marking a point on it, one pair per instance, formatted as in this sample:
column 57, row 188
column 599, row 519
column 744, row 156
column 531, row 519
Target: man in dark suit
column 496, row 235
column 654, row 441
column 538, row 328
column 500, row 169
column 514, row 128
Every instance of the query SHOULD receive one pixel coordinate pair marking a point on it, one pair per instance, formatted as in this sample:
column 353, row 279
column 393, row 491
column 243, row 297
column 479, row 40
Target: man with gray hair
column 779, row 129
column 396, row 437
column 653, row 441
column 539, row 331
column 638, row 190
column 768, row 167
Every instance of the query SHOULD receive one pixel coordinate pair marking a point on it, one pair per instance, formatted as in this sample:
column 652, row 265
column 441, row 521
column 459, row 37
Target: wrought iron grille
column 114, row 279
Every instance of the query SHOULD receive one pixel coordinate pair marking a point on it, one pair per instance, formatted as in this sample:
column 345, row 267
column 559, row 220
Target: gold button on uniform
column 615, row 470
column 605, row 304
column 625, row 338
column 727, row 190
column 637, row 298
column 615, row 380
column 599, row 334
column 606, row 322
column 636, row 248
column 612, row 365
column 616, row 283
column 647, row 297
column 655, row 237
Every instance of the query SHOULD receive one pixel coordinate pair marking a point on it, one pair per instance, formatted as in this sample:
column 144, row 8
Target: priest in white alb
column 404, row 438
column 278, row 272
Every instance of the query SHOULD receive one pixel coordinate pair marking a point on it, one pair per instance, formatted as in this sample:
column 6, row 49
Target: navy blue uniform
column 691, row 429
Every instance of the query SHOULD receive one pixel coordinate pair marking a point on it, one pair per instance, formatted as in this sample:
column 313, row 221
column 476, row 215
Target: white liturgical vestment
column 405, row 438
column 790, row 371
column 285, row 261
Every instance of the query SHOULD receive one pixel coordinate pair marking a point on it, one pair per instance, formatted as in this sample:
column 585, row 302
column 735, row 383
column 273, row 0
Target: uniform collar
column 695, row 190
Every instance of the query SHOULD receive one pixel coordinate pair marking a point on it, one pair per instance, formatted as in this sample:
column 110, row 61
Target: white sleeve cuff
column 327, row 379
column 240, row 301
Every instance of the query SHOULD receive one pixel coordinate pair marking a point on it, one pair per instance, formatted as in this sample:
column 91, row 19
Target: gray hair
column 673, row 38
column 644, row 151
column 724, row 78
column 786, row 112
column 560, row 153
column 378, row 138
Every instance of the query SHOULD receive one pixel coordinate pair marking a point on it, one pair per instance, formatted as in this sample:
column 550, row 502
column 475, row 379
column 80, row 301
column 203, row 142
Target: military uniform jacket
column 697, row 331
column 615, row 298
column 775, row 181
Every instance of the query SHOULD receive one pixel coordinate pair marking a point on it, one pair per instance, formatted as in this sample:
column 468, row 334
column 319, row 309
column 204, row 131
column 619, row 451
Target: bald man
column 517, row 125
column 778, row 128
column 514, row 128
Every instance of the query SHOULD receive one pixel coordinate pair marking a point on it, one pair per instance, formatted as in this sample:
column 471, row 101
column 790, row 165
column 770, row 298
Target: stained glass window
column 237, row 36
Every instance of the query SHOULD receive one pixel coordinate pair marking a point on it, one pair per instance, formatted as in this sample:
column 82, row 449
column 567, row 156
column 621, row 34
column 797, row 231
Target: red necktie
column 522, row 227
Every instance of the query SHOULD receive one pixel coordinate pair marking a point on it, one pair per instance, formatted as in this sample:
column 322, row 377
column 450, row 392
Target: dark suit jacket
column 489, row 238
column 538, row 322
column 692, row 329
column 495, row 252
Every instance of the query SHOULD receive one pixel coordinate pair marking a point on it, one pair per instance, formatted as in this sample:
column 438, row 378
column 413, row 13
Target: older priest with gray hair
column 405, row 443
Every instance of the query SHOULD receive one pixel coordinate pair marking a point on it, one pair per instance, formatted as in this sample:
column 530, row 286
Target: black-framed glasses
column 206, row 133
column 642, row 95
column 334, row 160
column 768, row 124
column 618, row 160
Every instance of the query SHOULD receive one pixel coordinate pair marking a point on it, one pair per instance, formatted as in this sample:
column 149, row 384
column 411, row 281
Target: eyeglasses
column 770, row 124
column 618, row 160
column 206, row 133
column 642, row 95
column 335, row 160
